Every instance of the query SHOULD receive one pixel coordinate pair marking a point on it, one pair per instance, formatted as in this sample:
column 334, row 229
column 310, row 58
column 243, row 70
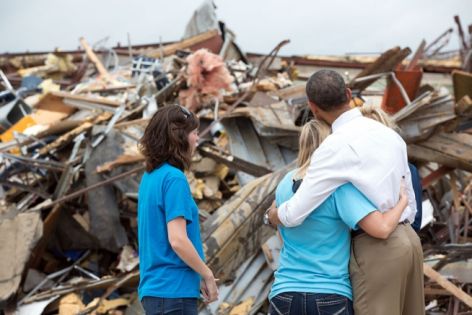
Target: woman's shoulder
column 284, row 189
column 287, row 179
column 167, row 171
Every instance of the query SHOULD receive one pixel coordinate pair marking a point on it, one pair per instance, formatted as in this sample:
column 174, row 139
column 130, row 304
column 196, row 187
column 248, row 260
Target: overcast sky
column 314, row 27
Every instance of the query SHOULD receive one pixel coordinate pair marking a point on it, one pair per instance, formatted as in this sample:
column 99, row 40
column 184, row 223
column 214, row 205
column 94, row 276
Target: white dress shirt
column 362, row 151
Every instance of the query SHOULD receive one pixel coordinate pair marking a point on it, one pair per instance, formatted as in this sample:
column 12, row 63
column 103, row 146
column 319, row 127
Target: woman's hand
column 381, row 225
column 183, row 247
column 209, row 288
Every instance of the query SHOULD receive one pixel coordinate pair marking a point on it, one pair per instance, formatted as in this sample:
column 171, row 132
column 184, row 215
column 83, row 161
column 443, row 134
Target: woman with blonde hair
column 313, row 275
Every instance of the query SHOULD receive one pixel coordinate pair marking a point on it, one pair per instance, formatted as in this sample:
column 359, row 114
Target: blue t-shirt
column 164, row 194
column 315, row 255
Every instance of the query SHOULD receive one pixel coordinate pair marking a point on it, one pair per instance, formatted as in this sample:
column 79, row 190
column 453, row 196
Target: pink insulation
column 207, row 76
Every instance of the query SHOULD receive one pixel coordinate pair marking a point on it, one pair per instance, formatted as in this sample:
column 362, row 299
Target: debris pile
column 70, row 166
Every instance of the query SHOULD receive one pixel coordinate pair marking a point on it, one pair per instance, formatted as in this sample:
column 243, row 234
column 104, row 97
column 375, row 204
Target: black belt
column 360, row 231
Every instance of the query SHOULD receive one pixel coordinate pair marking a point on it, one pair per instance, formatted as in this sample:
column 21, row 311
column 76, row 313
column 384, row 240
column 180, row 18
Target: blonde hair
column 377, row 114
column 312, row 134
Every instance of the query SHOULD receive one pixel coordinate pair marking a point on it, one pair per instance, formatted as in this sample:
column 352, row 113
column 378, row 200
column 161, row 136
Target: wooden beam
column 434, row 176
column 417, row 56
column 435, row 291
column 87, row 98
column 229, row 241
column 448, row 285
column 455, row 191
column 232, row 161
column 93, row 57
column 420, row 152
column 385, row 63
column 184, row 44
column 69, row 136
column 123, row 159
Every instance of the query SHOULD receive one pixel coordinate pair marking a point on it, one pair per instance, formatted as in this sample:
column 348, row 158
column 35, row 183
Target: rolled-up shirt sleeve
column 327, row 171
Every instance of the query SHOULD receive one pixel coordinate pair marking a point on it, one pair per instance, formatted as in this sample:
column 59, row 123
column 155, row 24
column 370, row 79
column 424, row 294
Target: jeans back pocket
column 280, row 304
column 333, row 305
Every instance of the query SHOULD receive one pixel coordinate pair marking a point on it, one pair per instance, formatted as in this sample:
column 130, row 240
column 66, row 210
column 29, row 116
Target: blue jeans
column 169, row 306
column 300, row 303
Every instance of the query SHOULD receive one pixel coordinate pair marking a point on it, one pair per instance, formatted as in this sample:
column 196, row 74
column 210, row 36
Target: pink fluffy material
column 207, row 75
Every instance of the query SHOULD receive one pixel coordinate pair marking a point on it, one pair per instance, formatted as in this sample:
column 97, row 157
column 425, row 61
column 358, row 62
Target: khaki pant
column 387, row 275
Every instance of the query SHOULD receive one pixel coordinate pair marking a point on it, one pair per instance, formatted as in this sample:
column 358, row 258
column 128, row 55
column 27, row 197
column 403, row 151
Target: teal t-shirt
column 315, row 255
column 164, row 194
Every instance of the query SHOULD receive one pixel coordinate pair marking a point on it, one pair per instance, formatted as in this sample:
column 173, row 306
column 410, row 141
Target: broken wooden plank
column 455, row 191
column 124, row 159
column 239, row 236
column 232, row 161
column 457, row 145
column 446, row 284
column 69, row 136
column 436, row 291
column 385, row 63
column 422, row 153
column 434, row 176
column 184, row 44
column 417, row 56
column 449, row 149
column 87, row 98
column 290, row 92
column 93, row 57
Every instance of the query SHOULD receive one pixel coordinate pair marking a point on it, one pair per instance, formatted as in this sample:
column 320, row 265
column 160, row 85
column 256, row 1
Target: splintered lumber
column 419, row 119
column 448, row 285
column 449, row 149
column 93, row 57
column 290, row 92
column 417, row 56
column 131, row 278
column 385, row 63
column 69, row 136
column 124, row 159
column 232, row 161
column 226, row 210
column 184, row 44
column 228, row 242
column 434, row 176
column 87, row 98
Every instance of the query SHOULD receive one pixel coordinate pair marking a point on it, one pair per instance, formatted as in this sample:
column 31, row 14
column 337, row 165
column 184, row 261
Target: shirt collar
column 345, row 117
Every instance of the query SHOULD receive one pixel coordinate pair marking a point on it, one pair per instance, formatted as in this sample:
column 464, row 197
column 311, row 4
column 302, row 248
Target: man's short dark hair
column 326, row 88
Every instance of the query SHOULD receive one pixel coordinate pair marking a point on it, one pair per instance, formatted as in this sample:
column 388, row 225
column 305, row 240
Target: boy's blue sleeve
column 178, row 200
column 352, row 205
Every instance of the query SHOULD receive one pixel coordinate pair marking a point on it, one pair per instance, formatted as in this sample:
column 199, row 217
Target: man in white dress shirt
column 386, row 275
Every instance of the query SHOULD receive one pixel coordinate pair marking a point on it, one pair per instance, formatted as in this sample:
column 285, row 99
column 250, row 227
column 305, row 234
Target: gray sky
column 314, row 27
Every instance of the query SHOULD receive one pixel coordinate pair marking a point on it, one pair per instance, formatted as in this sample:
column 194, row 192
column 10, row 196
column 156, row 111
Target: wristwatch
column 265, row 218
